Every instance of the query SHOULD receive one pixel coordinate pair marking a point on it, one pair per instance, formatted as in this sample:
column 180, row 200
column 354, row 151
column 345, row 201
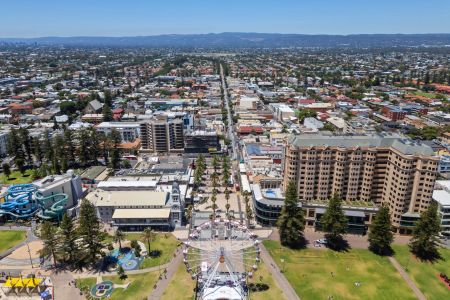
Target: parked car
column 321, row 241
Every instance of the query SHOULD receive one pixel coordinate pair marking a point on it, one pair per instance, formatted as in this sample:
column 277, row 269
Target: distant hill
column 246, row 40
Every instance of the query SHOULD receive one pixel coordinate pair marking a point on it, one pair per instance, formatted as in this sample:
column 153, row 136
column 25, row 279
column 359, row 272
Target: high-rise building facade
column 383, row 169
column 162, row 135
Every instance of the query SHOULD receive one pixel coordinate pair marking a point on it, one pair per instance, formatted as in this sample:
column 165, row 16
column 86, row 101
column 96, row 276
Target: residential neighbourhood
column 225, row 165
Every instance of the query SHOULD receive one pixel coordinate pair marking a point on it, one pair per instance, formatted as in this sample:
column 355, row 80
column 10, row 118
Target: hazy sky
column 32, row 18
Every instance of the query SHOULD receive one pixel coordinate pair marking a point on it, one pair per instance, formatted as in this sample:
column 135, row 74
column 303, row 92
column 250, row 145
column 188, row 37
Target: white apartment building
column 441, row 195
column 129, row 131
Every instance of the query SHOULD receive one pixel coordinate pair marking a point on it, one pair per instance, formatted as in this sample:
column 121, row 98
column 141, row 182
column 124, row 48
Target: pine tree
column 48, row 147
column 90, row 231
column 426, row 80
column 50, row 240
column 67, row 237
column 20, row 165
column 93, row 144
column 108, row 97
column 424, row 242
column 26, row 142
column 14, row 144
column 291, row 220
column 6, row 170
column 105, row 147
column 334, row 223
column 107, row 113
column 37, row 150
column 83, row 149
column 380, row 235
column 59, row 153
column 116, row 139
column 70, row 145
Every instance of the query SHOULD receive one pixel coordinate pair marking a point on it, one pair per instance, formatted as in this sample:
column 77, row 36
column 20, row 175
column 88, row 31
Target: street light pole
column 29, row 253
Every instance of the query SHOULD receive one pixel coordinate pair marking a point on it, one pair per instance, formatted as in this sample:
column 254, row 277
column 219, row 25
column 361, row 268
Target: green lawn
column 10, row 238
column 17, row 177
column 181, row 287
column 166, row 243
column 320, row 273
column 425, row 274
column 141, row 285
column 86, row 282
column 425, row 94
column 262, row 275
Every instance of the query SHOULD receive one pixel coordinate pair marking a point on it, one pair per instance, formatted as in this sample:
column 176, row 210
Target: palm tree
column 215, row 162
column 214, row 178
column 118, row 238
column 193, row 194
column 189, row 212
column 214, row 206
column 227, row 207
column 227, row 194
column 148, row 236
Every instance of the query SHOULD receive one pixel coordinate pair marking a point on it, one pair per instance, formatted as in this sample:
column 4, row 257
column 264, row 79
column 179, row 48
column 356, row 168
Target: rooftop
column 400, row 143
column 127, row 198
column 141, row 213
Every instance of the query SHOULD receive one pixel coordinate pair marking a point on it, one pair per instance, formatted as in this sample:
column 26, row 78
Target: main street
column 232, row 136
column 231, row 133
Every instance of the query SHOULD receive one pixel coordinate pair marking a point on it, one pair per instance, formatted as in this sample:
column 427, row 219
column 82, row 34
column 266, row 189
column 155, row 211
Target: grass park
column 140, row 286
column 321, row 273
column 425, row 274
column 164, row 243
column 262, row 275
column 10, row 238
column 180, row 287
column 16, row 177
column 425, row 94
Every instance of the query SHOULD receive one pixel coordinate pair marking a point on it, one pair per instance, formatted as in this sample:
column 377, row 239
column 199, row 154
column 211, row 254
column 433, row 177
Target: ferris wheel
column 221, row 255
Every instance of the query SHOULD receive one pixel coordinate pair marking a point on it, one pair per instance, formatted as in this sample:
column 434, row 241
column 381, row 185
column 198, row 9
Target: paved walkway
column 90, row 274
column 162, row 284
column 407, row 279
column 282, row 282
column 64, row 287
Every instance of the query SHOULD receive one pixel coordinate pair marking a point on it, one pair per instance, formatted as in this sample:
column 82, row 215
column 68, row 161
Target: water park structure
column 48, row 199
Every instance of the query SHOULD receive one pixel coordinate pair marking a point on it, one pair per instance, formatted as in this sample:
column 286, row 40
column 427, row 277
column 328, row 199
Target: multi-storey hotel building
column 379, row 168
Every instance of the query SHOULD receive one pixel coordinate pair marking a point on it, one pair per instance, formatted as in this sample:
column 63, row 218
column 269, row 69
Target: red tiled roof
column 306, row 101
column 249, row 129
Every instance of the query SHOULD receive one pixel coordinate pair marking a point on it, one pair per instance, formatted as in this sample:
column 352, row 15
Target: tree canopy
column 291, row 220
column 424, row 242
column 380, row 235
column 334, row 223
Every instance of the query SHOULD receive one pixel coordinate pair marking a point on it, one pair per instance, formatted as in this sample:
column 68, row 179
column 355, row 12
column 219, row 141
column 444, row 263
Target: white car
column 321, row 241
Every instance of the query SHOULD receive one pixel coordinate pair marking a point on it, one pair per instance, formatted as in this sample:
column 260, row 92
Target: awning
column 354, row 213
column 348, row 213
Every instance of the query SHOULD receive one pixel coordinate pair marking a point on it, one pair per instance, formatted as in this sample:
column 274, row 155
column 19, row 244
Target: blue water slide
column 23, row 201
column 19, row 202
column 56, row 210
